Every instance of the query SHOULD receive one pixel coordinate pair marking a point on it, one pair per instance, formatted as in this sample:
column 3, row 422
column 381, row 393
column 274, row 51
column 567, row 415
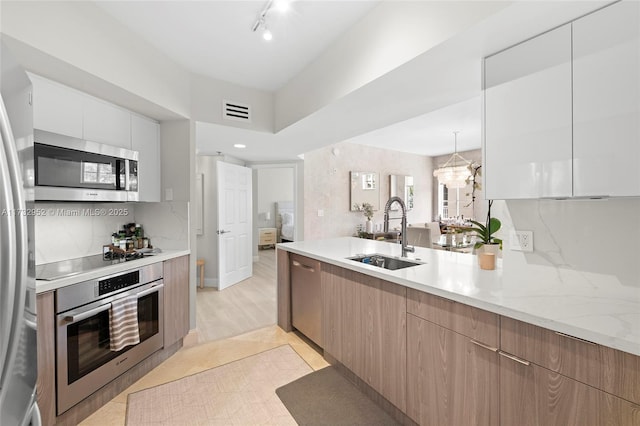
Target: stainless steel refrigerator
column 18, row 347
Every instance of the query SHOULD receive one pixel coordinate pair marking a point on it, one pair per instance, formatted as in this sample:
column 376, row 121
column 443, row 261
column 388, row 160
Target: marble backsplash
column 595, row 238
column 166, row 223
column 71, row 230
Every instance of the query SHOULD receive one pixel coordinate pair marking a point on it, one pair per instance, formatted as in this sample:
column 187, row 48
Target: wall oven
column 70, row 169
column 84, row 359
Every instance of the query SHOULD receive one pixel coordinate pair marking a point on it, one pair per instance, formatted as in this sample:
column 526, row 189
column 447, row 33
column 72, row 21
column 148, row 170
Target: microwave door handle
column 148, row 291
column 127, row 183
column 119, row 183
column 76, row 316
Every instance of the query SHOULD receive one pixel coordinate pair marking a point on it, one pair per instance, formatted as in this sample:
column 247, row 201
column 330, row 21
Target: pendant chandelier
column 455, row 172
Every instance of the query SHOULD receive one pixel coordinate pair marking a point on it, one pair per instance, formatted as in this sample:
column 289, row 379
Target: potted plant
column 485, row 240
column 367, row 209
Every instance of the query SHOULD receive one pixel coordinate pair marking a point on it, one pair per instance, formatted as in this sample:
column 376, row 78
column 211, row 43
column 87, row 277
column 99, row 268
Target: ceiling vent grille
column 236, row 111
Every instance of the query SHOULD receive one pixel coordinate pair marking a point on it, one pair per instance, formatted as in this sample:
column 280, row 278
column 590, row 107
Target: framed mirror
column 365, row 188
column 401, row 186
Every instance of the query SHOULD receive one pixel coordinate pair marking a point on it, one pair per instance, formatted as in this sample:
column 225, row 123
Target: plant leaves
column 494, row 225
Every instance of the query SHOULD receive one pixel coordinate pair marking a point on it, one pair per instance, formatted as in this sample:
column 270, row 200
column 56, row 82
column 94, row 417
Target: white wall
column 207, row 95
column 207, row 243
column 80, row 34
column 389, row 36
column 327, row 187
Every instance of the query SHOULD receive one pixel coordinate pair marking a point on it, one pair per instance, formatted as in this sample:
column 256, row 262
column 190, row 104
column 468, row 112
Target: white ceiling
column 432, row 133
column 214, row 38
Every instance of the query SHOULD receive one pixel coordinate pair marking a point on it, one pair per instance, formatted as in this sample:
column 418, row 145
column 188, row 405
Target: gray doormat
column 325, row 397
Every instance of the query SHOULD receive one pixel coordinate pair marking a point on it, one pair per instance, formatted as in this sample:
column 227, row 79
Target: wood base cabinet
column 452, row 362
column 364, row 328
column 451, row 379
column 531, row 395
column 176, row 299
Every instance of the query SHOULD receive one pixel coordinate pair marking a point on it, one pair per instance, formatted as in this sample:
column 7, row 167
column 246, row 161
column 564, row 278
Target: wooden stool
column 200, row 263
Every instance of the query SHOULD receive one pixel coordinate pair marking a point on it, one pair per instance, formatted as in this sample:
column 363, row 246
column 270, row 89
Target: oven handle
column 87, row 314
column 91, row 312
column 150, row 290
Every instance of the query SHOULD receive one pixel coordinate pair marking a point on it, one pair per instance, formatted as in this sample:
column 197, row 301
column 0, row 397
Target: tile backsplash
column 600, row 237
column 71, row 230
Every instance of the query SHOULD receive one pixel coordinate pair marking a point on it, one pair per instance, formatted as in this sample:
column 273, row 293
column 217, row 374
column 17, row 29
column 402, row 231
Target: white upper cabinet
column 606, row 109
column 562, row 110
column 56, row 108
column 527, row 143
column 106, row 123
column 145, row 138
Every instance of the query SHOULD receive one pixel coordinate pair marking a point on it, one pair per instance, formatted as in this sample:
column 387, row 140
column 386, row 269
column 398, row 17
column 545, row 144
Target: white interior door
column 234, row 224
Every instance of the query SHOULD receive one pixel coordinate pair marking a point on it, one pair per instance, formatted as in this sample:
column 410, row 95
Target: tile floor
column 238, row 393
column 194, row 359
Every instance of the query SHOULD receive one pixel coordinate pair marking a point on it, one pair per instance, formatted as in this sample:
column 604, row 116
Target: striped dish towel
column 123, row 323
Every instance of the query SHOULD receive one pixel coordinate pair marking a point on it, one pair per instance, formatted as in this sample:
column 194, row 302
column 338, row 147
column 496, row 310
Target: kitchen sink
column 386, row 262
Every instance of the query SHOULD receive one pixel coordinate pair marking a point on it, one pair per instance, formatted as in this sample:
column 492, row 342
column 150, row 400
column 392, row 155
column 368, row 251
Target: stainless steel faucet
column 403, row 226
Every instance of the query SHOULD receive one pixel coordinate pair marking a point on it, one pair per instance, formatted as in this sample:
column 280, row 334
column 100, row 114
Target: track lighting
column 260, row 23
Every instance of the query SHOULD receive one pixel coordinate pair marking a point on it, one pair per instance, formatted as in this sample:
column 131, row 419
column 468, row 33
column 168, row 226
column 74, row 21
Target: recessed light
column 282, row 6
column 239, row 145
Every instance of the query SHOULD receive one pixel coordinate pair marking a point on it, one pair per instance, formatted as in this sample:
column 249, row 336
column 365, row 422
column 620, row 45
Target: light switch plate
column 521, row 241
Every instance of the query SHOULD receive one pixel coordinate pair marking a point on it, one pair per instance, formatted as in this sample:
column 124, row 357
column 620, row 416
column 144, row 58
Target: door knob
column 221, row 231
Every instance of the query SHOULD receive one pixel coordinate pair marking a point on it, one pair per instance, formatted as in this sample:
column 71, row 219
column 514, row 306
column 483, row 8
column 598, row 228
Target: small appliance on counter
column 130, row 237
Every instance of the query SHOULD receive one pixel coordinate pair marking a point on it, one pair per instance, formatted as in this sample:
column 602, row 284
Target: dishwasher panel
column 306, row 297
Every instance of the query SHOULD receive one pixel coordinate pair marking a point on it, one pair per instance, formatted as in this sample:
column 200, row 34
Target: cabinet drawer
column 604, row 368
column 267, row 239
column 472, row 322
column 533, row 395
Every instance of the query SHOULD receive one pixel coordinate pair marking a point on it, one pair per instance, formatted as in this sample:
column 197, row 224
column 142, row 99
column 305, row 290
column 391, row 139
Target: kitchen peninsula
column 448, row 343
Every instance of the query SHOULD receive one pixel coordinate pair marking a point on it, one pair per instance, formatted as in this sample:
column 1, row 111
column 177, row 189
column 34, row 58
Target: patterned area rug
column 239, row 393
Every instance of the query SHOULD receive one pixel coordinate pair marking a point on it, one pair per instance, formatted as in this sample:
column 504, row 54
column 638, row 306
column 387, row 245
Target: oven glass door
column 84, row 360
column 69, row 168
column 88, row 343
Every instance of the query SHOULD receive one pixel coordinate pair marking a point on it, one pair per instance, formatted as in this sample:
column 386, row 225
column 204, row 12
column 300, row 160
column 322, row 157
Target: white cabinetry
column 145, row 138
column 56, row 108
column 106, row 123
column 606, row 109
column 528, row 119
column 66, row 111
column 562, row 110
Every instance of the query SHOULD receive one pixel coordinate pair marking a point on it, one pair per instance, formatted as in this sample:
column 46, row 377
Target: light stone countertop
column 593, row 307
column 43, row 286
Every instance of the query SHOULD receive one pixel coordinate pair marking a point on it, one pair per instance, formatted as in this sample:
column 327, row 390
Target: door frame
column 298, row 196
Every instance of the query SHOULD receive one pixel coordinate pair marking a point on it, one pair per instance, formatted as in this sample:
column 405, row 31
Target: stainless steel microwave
column 71, row 169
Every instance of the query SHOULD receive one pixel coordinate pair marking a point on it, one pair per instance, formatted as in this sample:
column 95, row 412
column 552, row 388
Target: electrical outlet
column 522, row 241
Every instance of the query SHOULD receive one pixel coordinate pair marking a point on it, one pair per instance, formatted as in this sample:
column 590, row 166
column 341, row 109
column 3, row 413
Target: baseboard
column 375, row 396
column 191, row 339
column 211, row 282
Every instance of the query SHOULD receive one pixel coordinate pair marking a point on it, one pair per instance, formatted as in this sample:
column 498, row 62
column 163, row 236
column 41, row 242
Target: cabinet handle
column 300, row 265
column 575, row 338
column 482, row 345
column 514, row 358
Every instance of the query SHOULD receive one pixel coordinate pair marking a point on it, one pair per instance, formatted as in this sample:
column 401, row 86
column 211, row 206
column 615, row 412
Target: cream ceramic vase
column 488, row 262
column 369, row 226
